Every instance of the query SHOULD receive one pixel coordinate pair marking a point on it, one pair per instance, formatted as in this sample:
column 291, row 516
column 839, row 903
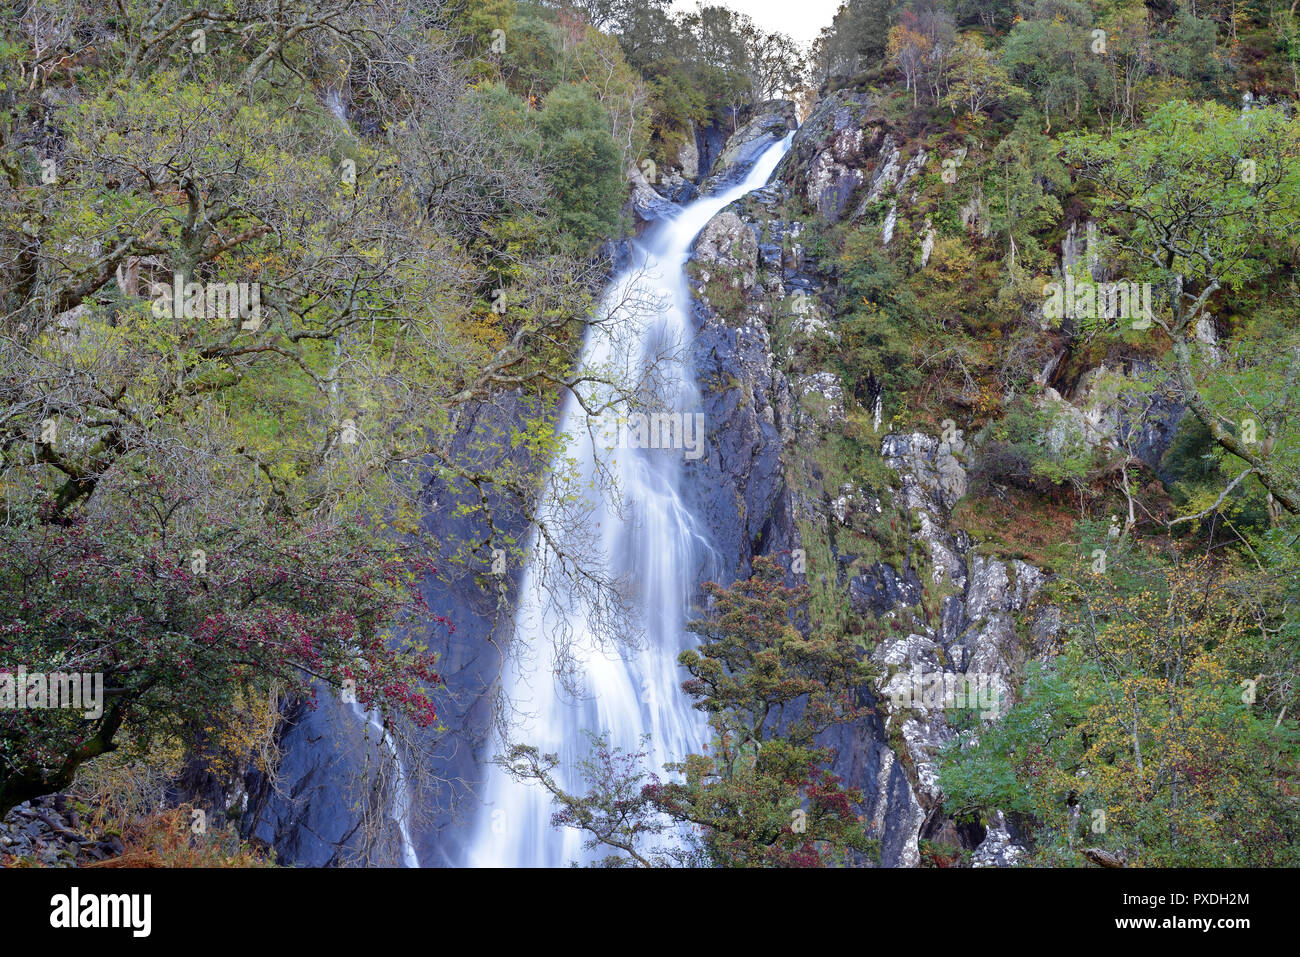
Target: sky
column 802, row 19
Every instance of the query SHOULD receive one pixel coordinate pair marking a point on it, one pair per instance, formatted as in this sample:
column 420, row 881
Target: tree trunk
column 1226, row 440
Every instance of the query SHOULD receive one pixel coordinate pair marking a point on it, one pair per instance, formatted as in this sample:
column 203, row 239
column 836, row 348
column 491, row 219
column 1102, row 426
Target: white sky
column 802, row 19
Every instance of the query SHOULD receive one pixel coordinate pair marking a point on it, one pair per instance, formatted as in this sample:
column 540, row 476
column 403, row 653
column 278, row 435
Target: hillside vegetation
column 264, row 264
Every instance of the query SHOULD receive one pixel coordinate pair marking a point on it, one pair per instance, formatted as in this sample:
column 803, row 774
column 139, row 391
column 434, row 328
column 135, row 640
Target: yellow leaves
column 264, row 265
column 1167, row 728
column 486, row 332
column 247, row 729
column 902, row 40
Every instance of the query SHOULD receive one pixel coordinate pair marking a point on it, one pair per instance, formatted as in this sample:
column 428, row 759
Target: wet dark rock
column 645, row 202
column 1154, row 427
column 618, row 254
column 880, row 589
column 763, row 124
column 738, row 487
column 864, row 759
column 676, row 189
column 313, row 817
column 710, row 141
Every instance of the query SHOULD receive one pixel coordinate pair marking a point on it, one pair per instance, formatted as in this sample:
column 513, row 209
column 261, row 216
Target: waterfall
column 334, row 103
column 645, row 533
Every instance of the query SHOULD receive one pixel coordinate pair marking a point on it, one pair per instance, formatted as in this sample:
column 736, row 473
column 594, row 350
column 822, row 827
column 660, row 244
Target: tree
column 1023, row 189
column 649, row 34
column 933, row 21
column 761, row 795
column 1146, row 738
column 856, row 38
column 995, row 14
column 907, row 50
column 920, row 47
column 227, row 485
column 1204, row 199
column 975, row 78
column 773, row 61
column 585, row 165
column 1049, row 54
column 179, row 616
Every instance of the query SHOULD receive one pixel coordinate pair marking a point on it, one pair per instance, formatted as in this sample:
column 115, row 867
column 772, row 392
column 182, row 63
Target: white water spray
column 649, row 536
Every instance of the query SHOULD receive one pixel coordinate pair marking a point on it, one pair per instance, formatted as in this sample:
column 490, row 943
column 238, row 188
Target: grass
column 1019, row 524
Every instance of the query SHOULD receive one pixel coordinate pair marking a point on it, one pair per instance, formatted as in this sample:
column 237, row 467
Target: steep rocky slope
column 886, row 560
column 328, row 805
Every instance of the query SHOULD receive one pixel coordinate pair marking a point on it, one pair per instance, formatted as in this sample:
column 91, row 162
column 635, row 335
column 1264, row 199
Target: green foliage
column 206, row 504
column 1023, row 193
column 700, row 67
column 1048, row 53
column 1204, row 199
column 855, row 39
column 1147, row 736
column 583, row 164
column 761, row 794
column 1032, row 442
column 1229, row 179
column 882, row 323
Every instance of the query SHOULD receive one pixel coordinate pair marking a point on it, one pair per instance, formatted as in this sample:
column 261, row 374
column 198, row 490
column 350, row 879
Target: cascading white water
column 649, row 536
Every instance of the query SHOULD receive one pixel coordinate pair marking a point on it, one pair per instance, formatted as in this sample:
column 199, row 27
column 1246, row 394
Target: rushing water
column 646, row 534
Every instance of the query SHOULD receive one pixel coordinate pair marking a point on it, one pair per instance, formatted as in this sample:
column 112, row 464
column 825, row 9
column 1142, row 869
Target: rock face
column 1100, row 414
column 1094, row 411
column 834, row 152
column 738, row 487
column 728, row 241
column 999, row 848
column 710, row 141
column 688, row 157
column 645, row 200
column 975, row 644
column 956, row 620
column 761, row 488
column 764, row 123
column 848, row 162
column 326, row 779
column 881, row 589
column 329, row 778
column 741, row 489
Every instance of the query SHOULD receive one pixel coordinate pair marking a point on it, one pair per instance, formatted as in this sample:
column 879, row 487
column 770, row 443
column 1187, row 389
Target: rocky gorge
column 884, row 558
column 954, row 608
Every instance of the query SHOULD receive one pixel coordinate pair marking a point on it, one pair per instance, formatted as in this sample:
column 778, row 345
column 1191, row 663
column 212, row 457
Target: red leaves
column 273, row 601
